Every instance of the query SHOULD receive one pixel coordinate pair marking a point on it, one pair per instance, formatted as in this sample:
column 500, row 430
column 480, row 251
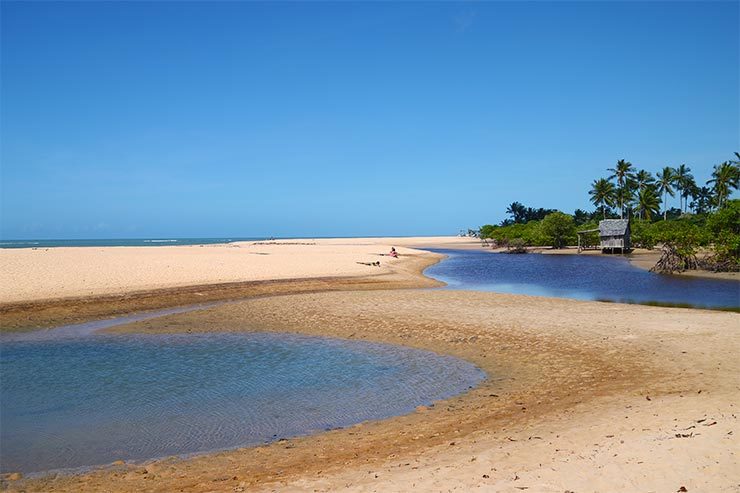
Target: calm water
column 118, row 242
column 581, row 277
column 81, row 401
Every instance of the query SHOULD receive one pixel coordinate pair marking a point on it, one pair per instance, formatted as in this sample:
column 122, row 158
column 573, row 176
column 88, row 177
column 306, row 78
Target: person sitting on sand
column 393, row 253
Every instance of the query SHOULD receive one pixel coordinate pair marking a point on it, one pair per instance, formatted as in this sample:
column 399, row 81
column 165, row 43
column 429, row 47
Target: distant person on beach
column 393, row 253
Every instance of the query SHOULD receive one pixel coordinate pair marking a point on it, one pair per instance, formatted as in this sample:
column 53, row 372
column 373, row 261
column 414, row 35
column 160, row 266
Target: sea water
column 585, row 277
column 82, row 401
column 41, row 243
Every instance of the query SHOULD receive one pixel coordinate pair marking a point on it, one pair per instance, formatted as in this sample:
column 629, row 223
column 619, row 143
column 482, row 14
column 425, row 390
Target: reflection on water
column 583, row 277
column 90, row 400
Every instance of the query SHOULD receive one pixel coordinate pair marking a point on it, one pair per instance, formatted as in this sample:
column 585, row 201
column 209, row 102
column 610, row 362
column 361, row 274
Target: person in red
column 393, row 253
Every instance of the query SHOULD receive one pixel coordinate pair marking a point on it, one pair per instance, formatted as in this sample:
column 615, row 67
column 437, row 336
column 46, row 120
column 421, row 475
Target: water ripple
column 80, row 401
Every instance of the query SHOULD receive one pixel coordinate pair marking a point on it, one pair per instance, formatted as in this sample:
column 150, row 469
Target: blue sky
column 132, row 119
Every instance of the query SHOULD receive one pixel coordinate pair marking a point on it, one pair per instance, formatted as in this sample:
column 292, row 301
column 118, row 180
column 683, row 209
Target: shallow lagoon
column 80, row 401
column 584, row 277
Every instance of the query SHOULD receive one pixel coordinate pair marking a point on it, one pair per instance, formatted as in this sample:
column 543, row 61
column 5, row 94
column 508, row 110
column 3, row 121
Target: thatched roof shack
column 614, row 234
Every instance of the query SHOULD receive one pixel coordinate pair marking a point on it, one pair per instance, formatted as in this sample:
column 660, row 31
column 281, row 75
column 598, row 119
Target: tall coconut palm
column 681, row 179
column 640, row 181
column 643, row 179
column 689, row 190
column 703, row 198
column 725, row 178
column 648, row 202
column 602, row 194
column 665, row 187
column 623, row 173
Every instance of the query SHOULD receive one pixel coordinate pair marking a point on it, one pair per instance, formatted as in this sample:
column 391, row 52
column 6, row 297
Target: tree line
column 706, row 218
column 633, row 191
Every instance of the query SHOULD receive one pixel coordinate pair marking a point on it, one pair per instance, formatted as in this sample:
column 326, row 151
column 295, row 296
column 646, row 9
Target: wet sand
column 581, row 396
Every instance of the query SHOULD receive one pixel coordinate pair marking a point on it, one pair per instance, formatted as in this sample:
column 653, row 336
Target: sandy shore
column 581, row 396
column 49, row 287
column 44, row 274
column 51, row 273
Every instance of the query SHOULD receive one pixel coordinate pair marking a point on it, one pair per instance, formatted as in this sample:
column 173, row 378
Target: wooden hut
column 614, row 234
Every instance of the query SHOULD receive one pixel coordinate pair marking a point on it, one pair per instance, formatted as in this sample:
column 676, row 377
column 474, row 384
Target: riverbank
column 639, row 257
column 63, row 273
column 646, row 260
column 581, row 396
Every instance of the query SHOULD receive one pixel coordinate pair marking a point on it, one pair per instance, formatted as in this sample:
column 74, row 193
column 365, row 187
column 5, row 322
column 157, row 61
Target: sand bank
column 582, row 396
column 50, row 273
column 44, row 274
column 326, row 265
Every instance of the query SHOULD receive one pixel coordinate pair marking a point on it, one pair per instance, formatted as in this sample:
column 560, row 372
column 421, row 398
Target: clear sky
column 130, row 119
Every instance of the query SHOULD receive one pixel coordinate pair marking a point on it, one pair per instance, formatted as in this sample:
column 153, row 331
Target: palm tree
column 643, row 179
column 518, row 212
column 622, row 172
column 725, row 178
column 681, row 178
column 648, row 202
column 602, row 194
column 703, row 198
column 689, row 190
column 640, row 181
column 665, row 186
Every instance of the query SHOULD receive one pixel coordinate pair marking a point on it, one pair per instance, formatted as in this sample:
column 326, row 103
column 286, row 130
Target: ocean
column 120, row 242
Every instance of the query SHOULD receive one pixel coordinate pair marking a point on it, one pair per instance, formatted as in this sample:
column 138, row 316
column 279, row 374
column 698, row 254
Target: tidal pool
column 71, row 402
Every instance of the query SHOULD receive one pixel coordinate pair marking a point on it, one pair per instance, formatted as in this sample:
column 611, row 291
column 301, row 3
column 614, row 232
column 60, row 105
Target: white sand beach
column 47, row 273
column 581, row 396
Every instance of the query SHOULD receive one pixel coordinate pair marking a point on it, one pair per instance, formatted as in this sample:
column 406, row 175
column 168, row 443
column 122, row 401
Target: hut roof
column 613, row 227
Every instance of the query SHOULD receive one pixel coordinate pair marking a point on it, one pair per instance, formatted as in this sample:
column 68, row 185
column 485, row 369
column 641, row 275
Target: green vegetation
column 603, row 194
column 558, row 229
column 666, row 179
column 706, row 220
column 724, row 228
column 521, row 214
